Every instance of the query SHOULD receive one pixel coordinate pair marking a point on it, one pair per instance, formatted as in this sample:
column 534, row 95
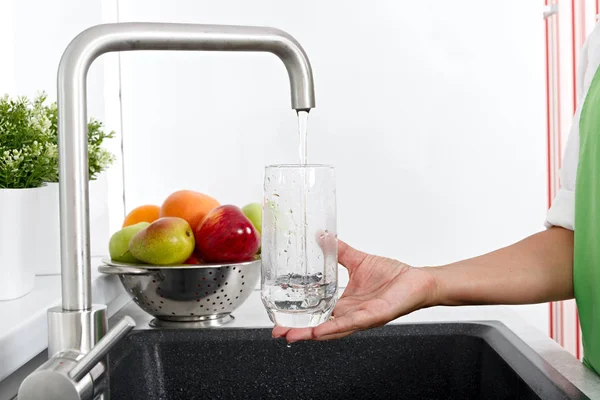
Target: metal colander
column 187, row 295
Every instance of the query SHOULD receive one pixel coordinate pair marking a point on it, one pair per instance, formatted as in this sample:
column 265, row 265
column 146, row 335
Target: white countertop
column 23, row 331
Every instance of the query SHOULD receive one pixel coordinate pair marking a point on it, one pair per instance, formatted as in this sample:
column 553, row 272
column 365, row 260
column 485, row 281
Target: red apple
column 193, row 259
column 226, row 235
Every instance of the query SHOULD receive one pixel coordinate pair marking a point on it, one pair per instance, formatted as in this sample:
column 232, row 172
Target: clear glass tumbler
column 299, row 244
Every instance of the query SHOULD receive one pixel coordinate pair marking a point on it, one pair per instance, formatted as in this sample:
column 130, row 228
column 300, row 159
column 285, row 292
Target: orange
column 145, row 213
column 189, row 205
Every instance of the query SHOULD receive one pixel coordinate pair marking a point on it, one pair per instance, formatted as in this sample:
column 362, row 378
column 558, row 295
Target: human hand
column 379, row 291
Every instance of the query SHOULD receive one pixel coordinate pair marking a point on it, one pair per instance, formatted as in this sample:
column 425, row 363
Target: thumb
column 349, row 257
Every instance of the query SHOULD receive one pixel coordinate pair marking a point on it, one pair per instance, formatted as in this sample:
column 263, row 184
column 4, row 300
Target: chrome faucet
column 78, row 340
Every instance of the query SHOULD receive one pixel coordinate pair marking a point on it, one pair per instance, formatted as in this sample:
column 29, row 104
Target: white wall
column 432, row 113
column 7, row 47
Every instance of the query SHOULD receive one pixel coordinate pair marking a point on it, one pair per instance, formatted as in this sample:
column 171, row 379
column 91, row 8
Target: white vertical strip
column 553, row 15
column 7, row 48
column 113, row 119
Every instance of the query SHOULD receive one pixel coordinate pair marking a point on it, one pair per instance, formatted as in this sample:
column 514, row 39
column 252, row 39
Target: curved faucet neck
column 72, row 115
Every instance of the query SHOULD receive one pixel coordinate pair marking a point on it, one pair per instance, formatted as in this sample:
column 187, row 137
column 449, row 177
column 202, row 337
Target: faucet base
column 199, row 324
column 75, row 330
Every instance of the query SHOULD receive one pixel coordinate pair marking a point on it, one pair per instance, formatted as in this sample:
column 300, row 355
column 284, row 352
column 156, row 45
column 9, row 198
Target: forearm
column 535, row 270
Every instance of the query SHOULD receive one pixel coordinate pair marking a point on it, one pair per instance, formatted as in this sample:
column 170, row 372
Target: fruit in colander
column 226, row 235
column 166, row 241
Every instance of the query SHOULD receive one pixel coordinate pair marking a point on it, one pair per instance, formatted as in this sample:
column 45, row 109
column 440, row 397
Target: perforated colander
column 205, row 295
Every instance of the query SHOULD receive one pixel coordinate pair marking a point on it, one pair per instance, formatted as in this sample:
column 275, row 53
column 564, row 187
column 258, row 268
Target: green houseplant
column 27, row 158
column 99, row 159
column 29, row 187
column 28, row 153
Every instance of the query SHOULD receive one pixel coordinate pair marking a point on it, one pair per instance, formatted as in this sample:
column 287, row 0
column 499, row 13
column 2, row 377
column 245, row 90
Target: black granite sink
column 422, row 361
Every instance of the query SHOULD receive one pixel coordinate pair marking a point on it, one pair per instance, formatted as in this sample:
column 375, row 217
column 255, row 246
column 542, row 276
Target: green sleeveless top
column 586, row 270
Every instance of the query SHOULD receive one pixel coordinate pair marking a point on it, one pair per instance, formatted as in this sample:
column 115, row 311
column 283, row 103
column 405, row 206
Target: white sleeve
column 562, row 211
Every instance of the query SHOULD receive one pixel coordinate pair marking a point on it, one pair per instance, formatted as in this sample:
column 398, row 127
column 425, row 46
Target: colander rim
column 110, row 263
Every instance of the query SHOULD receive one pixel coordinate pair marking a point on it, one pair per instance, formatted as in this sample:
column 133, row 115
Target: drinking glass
column 299, row 244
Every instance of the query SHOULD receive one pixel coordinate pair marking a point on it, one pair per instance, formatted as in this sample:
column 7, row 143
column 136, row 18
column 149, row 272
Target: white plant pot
column 50, row 226
column 19, row 240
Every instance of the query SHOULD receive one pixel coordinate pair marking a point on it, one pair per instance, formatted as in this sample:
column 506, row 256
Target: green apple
column 118, row 245
column 253, row 212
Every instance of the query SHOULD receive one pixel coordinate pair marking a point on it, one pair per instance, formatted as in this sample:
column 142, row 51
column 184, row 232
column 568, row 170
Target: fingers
column 293, row 334
column 332, row 329
column 353, row 321
column 280, row 331
column 335, row 336
column 299, row 334
column 348, row 256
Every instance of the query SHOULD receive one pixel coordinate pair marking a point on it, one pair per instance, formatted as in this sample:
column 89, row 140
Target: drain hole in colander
column 206, row 293
column 242, row 276
column 208, row 298
column 198, row 285
column 243, row 283
column 221, row 303
column 153, row 281
column 196, row 293
column 222, row 308
column 215, row 279
column 218, row 297
column 215, row 309
column 173, row 313
column 221, row 290
column 198, row 300
column 210, row 272
column 203, row 278
column 225, row 296
column 214, row 304
column 208, row 285
column 227, row 283
column 162, row 302
column 239, row 271
column 160, row 307
column 191, row 313
column 215, row 292
column 222, row 276
column 240, row 291
column 234, row 268
column 237, row 297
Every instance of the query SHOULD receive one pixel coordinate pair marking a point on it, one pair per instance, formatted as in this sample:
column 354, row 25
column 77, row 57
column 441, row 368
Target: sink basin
column 421, row 361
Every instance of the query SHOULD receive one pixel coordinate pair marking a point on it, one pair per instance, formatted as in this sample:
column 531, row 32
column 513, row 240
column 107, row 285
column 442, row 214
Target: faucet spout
column 72, row 115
